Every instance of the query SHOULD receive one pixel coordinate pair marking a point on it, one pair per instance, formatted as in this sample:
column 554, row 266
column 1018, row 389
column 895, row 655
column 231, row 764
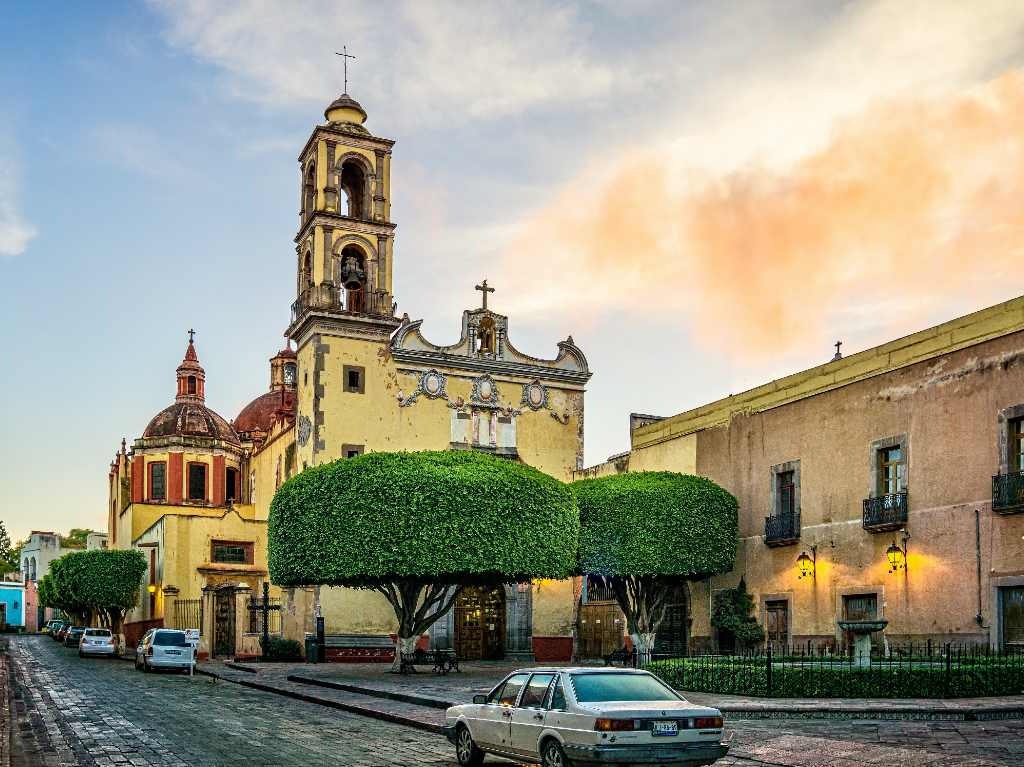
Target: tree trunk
column 404, row 645
column 643, row 646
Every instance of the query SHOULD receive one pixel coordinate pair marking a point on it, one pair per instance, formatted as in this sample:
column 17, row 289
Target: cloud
column 15, row 231
column 806, row 201
column 434, row 62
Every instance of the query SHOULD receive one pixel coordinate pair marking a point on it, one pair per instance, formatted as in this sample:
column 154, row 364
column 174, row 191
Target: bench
column 443, row 661
column 622, row 655
column 358, row 648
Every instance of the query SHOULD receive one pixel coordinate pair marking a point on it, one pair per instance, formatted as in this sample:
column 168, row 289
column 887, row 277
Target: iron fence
column 909, row 670
column 188, row 614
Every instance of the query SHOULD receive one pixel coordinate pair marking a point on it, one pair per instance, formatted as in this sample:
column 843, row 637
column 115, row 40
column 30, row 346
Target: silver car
column 585, row 716
column 164, row 648
column 97, row 642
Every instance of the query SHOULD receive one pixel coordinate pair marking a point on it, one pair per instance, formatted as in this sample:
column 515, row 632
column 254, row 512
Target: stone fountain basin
column 863, row 627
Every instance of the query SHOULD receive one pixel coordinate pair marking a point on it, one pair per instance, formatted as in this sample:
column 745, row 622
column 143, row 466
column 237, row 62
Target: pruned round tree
column 643, row 533
column 417, row 527
column 102, row 581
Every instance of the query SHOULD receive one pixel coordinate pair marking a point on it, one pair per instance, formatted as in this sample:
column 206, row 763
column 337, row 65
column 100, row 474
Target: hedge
column 451, row 516
column 838, row 680
column 277, row 649
column 655, row 523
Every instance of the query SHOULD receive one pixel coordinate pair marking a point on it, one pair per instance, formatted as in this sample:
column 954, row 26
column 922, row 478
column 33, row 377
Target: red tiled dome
column 190, row 419
column 259, row 414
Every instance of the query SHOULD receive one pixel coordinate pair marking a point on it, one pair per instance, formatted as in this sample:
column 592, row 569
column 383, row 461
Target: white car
column 164, row 648
column 577, row 716
column 97, row 642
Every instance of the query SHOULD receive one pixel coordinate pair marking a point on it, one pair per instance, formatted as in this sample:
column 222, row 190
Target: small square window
column 354, row 378
column 231, row 553
column 351, row 451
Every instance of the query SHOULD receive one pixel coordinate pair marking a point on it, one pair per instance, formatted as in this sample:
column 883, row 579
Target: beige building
column 899, row 473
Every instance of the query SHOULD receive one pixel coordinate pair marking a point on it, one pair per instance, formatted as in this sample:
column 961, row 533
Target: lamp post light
column 807, row 566
column 897, row 555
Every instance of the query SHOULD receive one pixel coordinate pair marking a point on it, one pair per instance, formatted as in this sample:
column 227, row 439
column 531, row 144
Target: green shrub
column 733, row 613
column 277, row 649
column 749, row 676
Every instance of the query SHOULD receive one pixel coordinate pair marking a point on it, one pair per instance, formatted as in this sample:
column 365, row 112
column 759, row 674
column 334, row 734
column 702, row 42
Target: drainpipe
column 977, row 554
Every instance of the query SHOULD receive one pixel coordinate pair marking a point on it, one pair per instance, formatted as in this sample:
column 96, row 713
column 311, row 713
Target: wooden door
column 1012, row 606
column 480, row 624
column 224, row 623
column 601, row 629
column 777, row 624
column 673, row 633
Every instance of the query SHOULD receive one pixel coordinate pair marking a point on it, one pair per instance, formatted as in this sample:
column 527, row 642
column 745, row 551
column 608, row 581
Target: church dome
column 259, row 414
column 189, row 416
column 348, row 112
column 192, row 419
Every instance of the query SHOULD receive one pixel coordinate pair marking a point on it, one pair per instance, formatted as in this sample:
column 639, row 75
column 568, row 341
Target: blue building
column 12, row 604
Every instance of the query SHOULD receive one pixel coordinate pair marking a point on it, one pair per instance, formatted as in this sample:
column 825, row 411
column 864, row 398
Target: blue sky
column 616, row 175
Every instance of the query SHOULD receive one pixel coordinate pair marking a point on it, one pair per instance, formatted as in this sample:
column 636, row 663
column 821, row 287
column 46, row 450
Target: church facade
column 194, row 491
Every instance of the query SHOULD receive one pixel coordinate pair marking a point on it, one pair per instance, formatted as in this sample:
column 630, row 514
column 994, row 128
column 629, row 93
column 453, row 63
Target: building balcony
column 885, row 512
column 327, row 298
column 1008, row 493
column 782, row 529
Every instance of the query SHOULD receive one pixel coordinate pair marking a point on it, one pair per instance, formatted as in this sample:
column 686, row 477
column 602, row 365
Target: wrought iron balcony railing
column 327, row 298
column 782, row 529
column 885, row 512
column 1008, row 492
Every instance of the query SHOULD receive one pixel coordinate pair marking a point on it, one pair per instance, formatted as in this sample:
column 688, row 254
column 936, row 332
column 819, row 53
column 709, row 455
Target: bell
column 352, row 275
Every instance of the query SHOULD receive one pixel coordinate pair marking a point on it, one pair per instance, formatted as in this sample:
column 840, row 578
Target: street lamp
column 151, row 588
column 807, row 566
column 897, row 555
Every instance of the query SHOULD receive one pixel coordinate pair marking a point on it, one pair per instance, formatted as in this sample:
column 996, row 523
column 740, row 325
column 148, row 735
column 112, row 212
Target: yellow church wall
column 356, row 611
column 553, row 608
column 263, row 465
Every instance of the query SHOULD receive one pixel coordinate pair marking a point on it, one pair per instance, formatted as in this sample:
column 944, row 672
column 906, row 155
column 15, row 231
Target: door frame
column 786, row 597
column 996, row 603
column 226, row 593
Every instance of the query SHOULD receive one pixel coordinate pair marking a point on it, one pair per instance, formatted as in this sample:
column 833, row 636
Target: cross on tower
column 839, row 355
column 191, row 335
column 485, row 290
column 345, row 56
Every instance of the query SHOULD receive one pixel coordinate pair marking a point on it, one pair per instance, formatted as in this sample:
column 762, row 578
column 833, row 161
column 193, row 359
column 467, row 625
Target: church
column 194, row 491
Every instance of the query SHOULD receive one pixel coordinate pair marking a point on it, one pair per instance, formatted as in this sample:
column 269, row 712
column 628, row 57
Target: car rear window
column 170, row 639
column 98, row 633
column 598, row 688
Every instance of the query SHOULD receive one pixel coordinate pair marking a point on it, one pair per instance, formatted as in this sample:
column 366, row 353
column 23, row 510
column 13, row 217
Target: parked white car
column 97, row 642
column 164, row 648
column 577, row 716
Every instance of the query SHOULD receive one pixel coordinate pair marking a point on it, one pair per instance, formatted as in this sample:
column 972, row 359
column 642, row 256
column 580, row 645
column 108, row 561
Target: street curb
column 352, row 709
column 916, row 714
column 239, row 667
column 374, row 693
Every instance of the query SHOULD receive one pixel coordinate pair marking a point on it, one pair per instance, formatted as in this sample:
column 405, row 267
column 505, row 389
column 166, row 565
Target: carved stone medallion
column 304, row 430
column 484, row 390
column 535, row 395
column 432, row 383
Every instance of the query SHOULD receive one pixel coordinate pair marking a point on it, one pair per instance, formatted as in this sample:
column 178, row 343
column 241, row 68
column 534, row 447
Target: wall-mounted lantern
column 151, row 588
column 897, row 555
column 807, row 566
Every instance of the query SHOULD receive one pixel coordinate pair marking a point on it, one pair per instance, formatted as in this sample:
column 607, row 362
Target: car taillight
column 149, row 652
column 614, row 725
column 708, row 723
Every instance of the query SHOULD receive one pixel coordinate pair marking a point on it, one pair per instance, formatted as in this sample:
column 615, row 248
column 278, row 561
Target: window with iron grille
column 1016, row 445
column 231, row 553
column 197, row 481
column 158, row 481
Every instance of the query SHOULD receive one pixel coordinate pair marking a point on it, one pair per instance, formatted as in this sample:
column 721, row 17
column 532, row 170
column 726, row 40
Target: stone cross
column 191, row 335
column 839, row 355
column 345, row 56
column 485, row 290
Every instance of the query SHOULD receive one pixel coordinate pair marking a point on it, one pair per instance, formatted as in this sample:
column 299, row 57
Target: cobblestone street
column 103, row 712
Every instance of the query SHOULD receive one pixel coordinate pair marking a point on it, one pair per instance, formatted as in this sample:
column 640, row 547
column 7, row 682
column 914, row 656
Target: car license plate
column 665, row 728
column 173, row 652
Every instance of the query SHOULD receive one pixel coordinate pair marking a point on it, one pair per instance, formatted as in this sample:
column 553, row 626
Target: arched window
column 353, row 188
column 353, row 278
column 32, row 569
column 307, row 270
column 309, row 192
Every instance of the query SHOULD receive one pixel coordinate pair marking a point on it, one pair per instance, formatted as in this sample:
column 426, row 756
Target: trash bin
column 312, row 649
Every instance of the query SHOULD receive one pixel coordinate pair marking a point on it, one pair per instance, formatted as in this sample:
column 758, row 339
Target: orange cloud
column 911, row 205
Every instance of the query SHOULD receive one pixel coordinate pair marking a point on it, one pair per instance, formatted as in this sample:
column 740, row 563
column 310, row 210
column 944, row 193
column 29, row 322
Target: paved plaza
column 103, row 712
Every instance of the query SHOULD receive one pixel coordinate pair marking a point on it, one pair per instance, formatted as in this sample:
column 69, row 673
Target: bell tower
column 344, row 242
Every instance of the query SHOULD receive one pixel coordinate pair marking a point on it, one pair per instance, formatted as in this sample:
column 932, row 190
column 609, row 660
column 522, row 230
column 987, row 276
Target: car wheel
column 466, row 750
column 553, row 755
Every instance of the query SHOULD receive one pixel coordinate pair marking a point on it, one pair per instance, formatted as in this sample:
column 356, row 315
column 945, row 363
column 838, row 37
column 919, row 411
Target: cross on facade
column 485, row 290
column 265, row 608
column 345, row 56
column 839, row 355
column 191, row 335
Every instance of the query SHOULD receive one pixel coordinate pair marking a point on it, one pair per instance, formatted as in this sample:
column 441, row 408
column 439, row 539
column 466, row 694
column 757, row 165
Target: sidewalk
column 420, row 699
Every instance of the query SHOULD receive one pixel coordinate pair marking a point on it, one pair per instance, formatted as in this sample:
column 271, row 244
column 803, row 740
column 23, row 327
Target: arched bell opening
column 352, row 277
column 309, row 192
column 352, row 188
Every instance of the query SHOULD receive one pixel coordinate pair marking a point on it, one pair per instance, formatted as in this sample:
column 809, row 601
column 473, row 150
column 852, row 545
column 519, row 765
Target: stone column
column 246, row 645
column 206, row 635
